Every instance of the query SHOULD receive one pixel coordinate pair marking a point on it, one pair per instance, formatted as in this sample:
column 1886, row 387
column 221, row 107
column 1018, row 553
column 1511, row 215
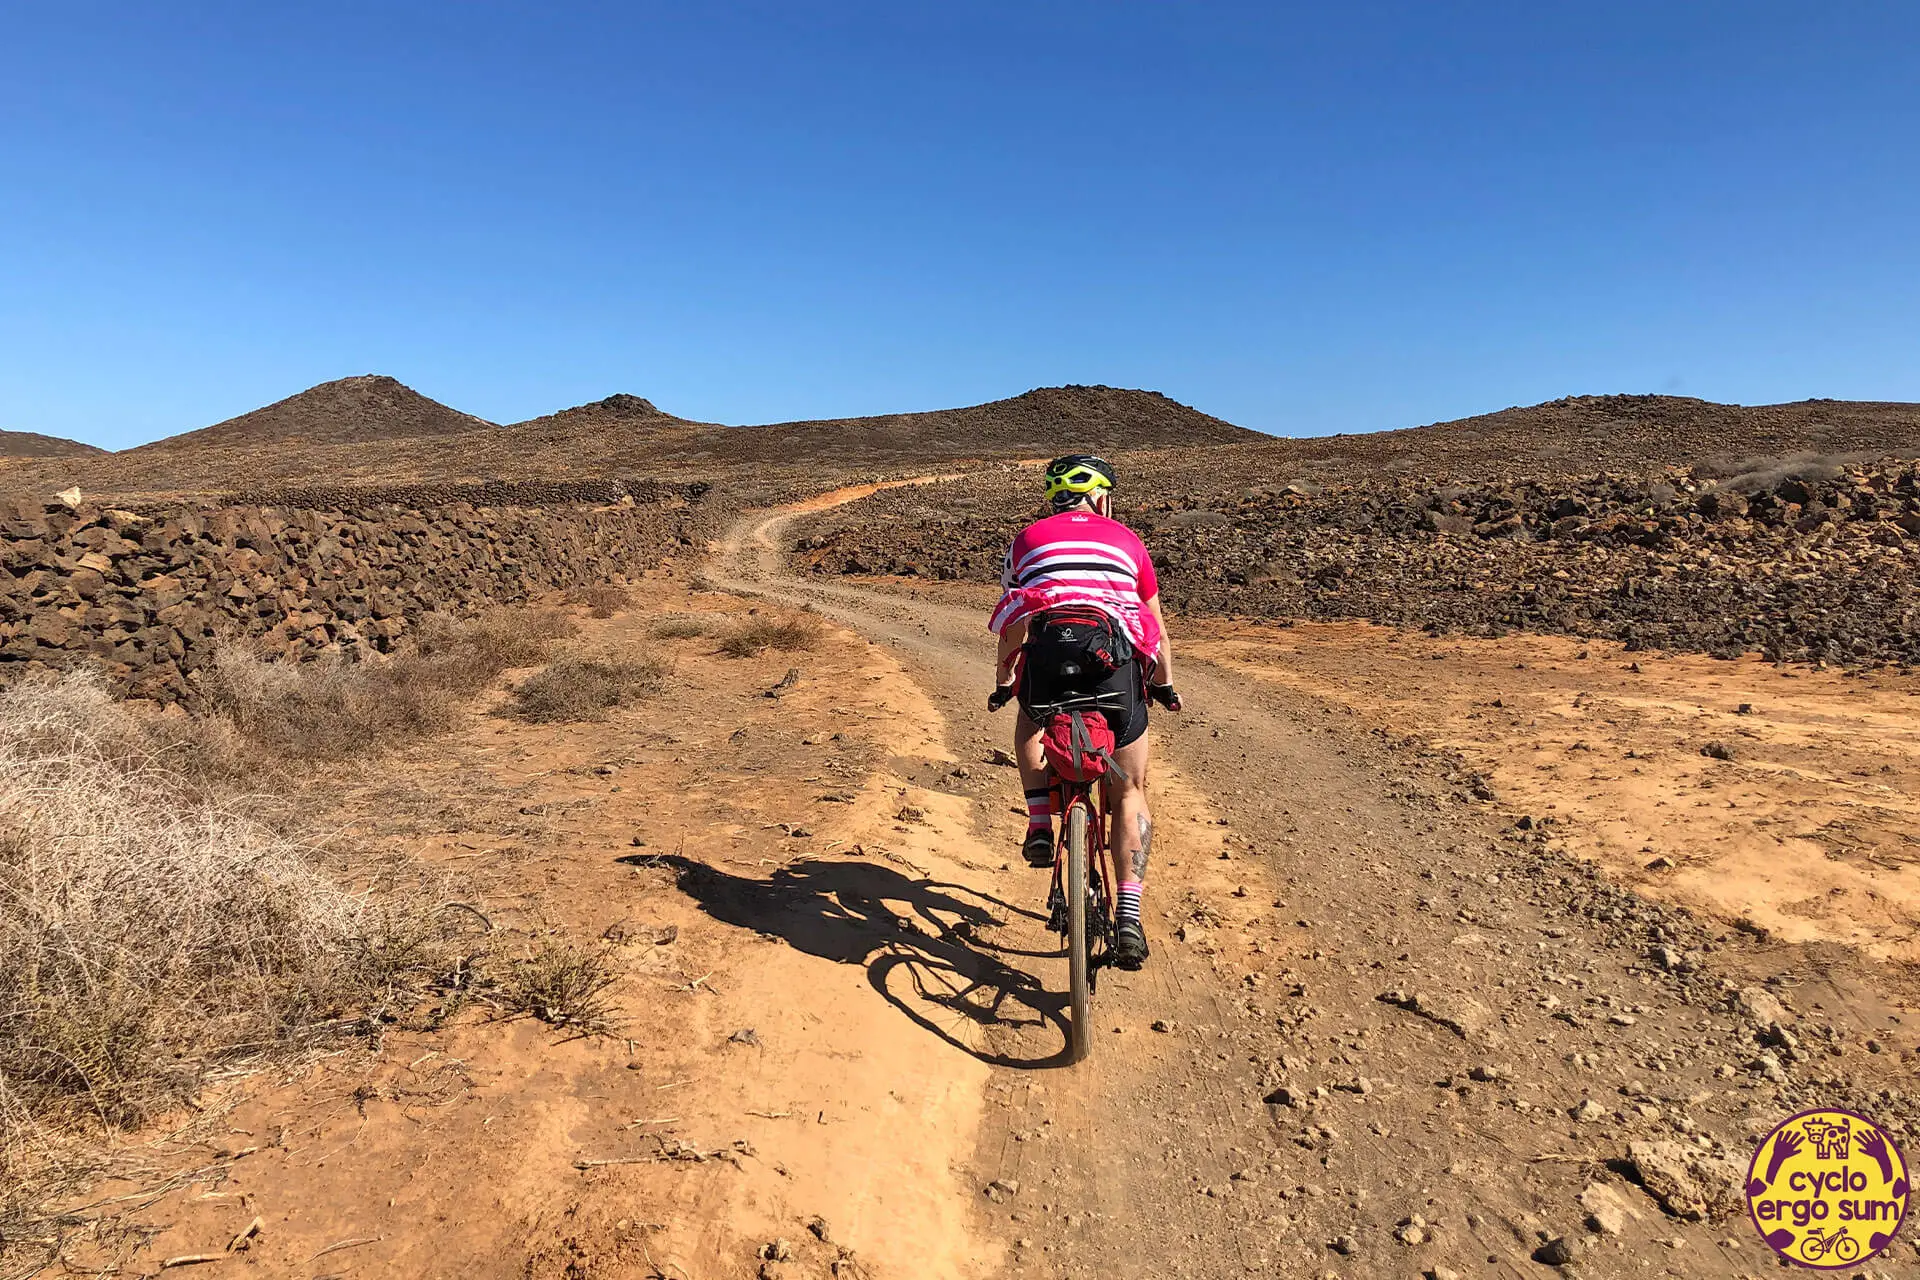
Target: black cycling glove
column 1000, row 697
column 1164, row 695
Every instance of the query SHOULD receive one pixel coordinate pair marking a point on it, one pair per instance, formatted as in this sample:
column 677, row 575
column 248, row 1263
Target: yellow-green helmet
column 1077, row 476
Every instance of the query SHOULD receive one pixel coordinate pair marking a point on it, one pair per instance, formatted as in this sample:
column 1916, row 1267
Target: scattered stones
column 1164, row 1026
column 1002, row 1189
column 1717, row 750
column 1587, row 1111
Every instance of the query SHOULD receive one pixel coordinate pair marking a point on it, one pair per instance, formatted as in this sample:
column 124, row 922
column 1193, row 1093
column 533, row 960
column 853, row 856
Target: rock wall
column 149, row 595
column 1799, row 560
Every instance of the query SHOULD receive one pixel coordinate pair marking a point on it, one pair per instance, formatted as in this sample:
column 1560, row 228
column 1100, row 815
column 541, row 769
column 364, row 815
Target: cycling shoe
column 1130, row 949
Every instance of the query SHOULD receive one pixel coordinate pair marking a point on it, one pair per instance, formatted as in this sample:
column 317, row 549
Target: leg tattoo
column 1146, row 848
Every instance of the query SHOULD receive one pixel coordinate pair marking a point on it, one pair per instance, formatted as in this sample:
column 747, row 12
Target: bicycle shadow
column 840, row 911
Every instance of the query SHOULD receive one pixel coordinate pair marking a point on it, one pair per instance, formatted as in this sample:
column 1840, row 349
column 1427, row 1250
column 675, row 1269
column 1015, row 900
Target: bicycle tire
column 1079, row 961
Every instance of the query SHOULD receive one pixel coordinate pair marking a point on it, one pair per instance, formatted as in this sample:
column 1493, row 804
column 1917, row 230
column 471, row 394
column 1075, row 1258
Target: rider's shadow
column 841, row 911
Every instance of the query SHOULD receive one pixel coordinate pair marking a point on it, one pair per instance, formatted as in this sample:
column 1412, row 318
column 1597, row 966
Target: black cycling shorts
column 1129, row 716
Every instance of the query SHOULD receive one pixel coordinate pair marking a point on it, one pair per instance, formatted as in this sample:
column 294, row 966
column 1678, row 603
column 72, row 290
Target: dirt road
column 1402, row 1034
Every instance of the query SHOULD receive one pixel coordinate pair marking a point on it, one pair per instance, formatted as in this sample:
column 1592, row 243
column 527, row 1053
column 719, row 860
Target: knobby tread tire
column 1080, row 986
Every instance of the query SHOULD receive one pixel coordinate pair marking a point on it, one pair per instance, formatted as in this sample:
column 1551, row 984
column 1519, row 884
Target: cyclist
column 1080, row 556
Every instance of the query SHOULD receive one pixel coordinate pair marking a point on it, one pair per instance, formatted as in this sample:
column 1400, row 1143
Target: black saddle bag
column 1075, row 647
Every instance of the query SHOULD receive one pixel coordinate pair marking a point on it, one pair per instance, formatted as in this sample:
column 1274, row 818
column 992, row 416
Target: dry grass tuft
column 585, row 688
column 680, row 626
column 602, row 600
column 333, row 708
column 149, row 930
column 762, row 631
column 562, row 987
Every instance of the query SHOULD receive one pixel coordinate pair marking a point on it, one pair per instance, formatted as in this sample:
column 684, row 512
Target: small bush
column 1752, row 475
column 603, row 599
column 585, row 688
column 680, row 626
column 561, row 987
column 763, row 631
column 329, row 709
column 333, row 708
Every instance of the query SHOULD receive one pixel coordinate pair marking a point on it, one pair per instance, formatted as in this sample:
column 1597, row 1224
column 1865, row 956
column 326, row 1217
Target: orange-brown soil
column 1806, row 828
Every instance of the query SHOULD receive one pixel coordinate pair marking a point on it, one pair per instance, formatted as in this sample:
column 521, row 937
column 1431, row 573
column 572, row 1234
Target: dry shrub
column 149, row 931
column 680, row 626
column 562, row 987
column 762, row 631
column 585, row 688
column 602, row 599
column 334, row 708
column 1752, row 475
column 469, row 654
column 329, row 709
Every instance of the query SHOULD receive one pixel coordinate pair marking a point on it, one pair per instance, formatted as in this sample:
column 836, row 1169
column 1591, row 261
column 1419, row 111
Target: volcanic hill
column 31, row 444
column 1042, row 422
column 344, row 411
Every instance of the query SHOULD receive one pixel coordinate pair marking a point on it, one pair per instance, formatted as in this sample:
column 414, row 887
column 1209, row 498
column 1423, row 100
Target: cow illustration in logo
column 1830, row 1140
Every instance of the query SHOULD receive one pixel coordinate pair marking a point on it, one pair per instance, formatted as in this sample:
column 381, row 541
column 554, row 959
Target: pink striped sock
column 1040, row 810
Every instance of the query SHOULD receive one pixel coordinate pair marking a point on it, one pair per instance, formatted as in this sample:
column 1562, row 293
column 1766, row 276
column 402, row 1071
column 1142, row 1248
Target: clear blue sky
column 1302, row 217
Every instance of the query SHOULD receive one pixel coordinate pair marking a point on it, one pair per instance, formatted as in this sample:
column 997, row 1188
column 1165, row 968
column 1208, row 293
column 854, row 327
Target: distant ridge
column 1044, row 421
column 373, row 431
column 31, row 444
column 1584, row 434
column 344, row 411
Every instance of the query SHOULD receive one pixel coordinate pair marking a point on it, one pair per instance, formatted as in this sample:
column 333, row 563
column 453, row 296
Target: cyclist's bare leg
column 1029, row 753
column 1132, row 829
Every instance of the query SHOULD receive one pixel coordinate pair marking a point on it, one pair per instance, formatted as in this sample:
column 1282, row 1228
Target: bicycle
column 1817, row 1244
column 1080, row 901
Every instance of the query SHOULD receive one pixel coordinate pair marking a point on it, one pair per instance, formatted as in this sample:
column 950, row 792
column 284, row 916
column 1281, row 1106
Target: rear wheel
column 1079, row 966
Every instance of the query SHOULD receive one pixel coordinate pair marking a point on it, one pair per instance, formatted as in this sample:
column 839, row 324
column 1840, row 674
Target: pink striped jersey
column 1078, row 557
